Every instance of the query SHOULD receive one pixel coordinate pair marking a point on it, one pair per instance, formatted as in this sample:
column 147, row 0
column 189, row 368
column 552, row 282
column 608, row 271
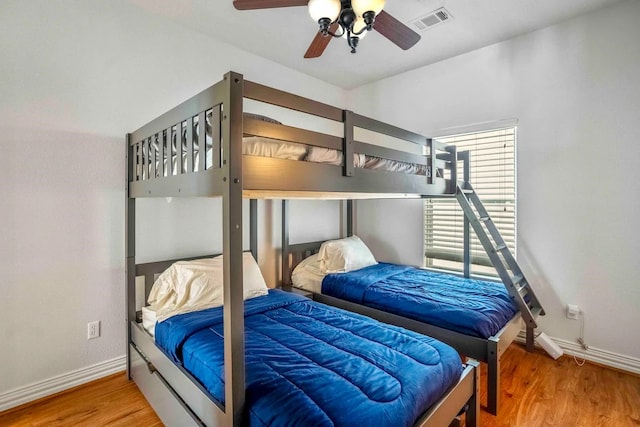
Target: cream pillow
column 195, row 285
column 343, row 255
column 308, row 274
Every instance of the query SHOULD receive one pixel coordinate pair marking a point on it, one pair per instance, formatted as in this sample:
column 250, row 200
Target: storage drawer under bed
column 178, row 382
column 158, row 393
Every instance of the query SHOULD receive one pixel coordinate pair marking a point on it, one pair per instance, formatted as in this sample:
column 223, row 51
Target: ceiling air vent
column 432, row 19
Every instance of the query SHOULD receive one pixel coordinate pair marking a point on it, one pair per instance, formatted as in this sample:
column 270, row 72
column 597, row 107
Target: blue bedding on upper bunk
column 314, row 365
column 473, row 307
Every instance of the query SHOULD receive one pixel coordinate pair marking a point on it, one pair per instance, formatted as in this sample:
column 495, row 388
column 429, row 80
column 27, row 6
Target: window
column 493, row 178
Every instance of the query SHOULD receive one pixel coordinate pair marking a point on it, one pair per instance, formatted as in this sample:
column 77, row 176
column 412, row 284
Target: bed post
column 232, row 249
column 130, row 250
column 431, row 163
column 286, row 274
column 466, row 252
column 453, row 158
column 472, row 418
column 253, row 228
column 347, row 143
column 493, row 375
column 350, row 217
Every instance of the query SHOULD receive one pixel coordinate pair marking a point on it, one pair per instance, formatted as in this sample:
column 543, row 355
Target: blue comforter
column 314, row 365
column 473, row 307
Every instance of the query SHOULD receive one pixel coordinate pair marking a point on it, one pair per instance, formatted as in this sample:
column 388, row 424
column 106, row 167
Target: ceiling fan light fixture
column 358, row 29
column 349, row 18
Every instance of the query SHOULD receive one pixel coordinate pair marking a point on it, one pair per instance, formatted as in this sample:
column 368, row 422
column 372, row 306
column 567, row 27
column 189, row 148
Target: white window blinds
column 493, row 178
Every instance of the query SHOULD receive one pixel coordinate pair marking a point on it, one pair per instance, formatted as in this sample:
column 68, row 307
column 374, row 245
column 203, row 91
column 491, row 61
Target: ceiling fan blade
column 267, row 4
column 395, row 30
column 320, row 42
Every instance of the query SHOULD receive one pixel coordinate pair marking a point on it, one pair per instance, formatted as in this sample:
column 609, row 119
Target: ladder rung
column 466, row 190
column 484, row 218
column 536, row 311
column 517, row 279
column 499, row 248
column 522, row 290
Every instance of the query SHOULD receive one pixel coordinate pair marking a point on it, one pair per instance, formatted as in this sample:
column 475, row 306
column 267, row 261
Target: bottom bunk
column 478, row 318
column 306, row 364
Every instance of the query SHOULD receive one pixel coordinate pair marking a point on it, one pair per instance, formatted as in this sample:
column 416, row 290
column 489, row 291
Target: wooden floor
column 110, row 401
column 536, row 391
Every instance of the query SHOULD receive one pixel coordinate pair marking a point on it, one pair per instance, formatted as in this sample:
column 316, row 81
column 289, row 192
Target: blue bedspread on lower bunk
column 473, row 307
column 314, row 365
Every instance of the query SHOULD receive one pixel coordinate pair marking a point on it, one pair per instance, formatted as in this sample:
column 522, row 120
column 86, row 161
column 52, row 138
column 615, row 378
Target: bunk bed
column 477, row 317
column 423, row 314
column 198, row 149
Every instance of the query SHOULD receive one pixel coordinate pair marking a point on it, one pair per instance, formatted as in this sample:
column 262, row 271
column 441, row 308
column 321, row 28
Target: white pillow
column 308, row 274
column 189, row 286
column 348, row 254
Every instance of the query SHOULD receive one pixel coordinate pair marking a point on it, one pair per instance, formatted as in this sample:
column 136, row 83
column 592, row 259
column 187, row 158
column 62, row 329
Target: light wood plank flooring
column 110, row 401
column 536, row 391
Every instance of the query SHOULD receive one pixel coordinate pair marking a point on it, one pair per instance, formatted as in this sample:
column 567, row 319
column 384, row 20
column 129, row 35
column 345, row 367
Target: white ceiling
column 283, row 35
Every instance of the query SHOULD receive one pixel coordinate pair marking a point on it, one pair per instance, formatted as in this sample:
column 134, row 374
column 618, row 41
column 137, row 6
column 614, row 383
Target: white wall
column 75, row 76
column 575, row 89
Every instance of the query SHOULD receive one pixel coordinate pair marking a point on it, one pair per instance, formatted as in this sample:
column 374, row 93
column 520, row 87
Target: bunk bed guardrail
column 189, row 140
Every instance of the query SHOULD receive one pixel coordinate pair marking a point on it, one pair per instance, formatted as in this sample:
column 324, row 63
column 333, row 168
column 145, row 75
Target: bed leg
column 530, row 339
column 493, row 378
column 472, row 418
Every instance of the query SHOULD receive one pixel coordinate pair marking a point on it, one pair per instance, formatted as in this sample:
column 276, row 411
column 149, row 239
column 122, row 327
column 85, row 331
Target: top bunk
column 265, row 158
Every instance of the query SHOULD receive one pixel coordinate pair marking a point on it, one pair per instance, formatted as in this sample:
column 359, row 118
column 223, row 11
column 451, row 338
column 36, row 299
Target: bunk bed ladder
column 503, row 260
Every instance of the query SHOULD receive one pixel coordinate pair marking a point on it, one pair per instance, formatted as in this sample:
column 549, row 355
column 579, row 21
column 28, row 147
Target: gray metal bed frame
column 174, row 394
column 488, row 350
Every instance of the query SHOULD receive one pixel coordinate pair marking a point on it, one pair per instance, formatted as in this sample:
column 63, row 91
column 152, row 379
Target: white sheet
column 265, row 147
column 149, row 320
column 334, row 157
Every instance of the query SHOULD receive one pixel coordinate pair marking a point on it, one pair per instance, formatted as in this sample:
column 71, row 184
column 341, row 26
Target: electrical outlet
column 573, row 311
column 93, row 330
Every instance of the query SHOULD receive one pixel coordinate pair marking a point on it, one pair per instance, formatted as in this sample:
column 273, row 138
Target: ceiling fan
column 343, row 18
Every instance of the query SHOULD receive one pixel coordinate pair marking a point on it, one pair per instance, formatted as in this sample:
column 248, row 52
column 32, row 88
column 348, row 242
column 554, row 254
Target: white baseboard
column 595, row 355
column 32, row 392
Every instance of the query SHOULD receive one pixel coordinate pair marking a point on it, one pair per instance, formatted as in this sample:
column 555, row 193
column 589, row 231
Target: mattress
column 268, row 147
column 472, row 307
column 310, row 364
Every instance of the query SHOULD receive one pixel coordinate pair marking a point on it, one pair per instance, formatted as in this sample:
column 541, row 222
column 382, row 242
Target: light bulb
column 362, row 6
column 319, row 9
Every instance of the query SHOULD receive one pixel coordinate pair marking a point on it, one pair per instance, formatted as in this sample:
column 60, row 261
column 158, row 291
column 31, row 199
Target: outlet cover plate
column 93, row 330
column 573, row 311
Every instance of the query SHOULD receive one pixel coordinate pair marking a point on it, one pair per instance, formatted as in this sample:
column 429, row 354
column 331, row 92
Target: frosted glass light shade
column 362, row 6
column 319, row 9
